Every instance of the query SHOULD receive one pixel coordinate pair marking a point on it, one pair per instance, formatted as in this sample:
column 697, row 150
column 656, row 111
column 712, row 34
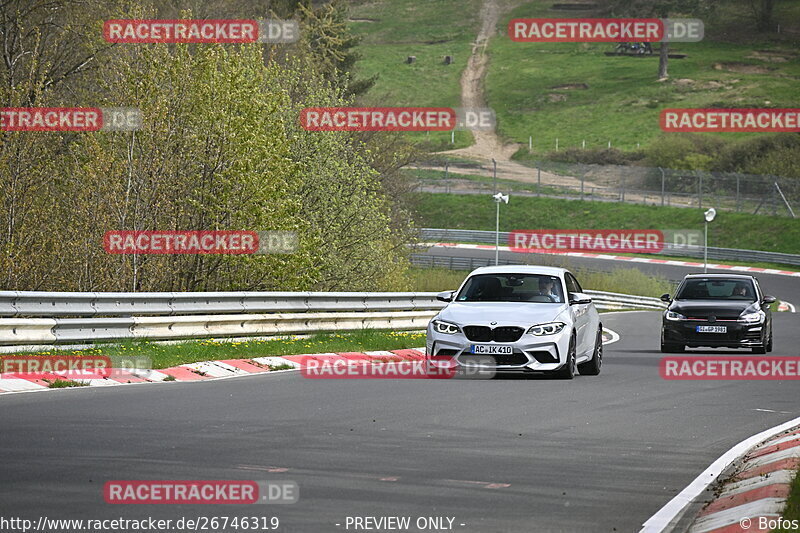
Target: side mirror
column 576, row 298
column 446, row 296
column 665, row 298
column 769, row 300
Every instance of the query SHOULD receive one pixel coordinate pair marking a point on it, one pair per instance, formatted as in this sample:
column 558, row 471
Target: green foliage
column 221, row 148
column 774, row 154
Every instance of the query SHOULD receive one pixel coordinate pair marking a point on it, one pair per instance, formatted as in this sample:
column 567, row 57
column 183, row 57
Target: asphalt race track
column 595, row 454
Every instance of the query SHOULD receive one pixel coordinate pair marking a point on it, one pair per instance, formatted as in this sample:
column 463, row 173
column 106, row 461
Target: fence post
column 538, row 179
column 699, row 176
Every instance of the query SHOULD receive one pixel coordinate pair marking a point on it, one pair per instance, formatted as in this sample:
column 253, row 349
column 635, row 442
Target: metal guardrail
column 695, row 252
column 41, row 317
column 90, row 304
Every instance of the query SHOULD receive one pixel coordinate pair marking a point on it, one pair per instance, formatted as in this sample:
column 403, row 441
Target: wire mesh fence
column 746, row 193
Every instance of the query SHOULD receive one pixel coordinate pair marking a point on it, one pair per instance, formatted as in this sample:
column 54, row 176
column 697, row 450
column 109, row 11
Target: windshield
column 717, row 289
column 512, row 288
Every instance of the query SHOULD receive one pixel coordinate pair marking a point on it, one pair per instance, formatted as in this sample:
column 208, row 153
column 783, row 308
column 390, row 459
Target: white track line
column 672, row 510
column 614, row 336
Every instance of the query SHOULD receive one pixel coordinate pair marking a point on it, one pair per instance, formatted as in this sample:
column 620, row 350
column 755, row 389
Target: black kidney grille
column 478, row 333
column 500, row 334
column 507, row 334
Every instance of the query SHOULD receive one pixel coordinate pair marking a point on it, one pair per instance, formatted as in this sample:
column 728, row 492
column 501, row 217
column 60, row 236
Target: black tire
column 769, row 343
column 593, row 366
column 569, row 369
column 760, row 350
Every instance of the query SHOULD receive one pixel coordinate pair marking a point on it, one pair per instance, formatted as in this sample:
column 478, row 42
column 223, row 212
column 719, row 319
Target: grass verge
column 792, row 510
column 164, row 355
column 729, row 230
column 66, row 383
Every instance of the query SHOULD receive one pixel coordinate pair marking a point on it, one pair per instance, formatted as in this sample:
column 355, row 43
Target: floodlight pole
column 705, row 249
column 497, row 236
column 708, row 216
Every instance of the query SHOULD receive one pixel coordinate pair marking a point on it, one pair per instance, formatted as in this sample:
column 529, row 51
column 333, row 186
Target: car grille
column 499, row 334
column 509, row 359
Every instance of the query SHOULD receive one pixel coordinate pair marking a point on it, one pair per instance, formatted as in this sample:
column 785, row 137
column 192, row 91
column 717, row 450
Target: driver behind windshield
column 546, row 289
column 740, row 291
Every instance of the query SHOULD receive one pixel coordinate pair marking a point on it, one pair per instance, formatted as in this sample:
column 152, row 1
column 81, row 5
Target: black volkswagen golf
column 718, row 311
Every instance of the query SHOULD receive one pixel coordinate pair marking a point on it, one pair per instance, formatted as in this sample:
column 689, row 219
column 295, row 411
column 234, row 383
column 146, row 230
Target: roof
column 725, row 276
column 520, row 269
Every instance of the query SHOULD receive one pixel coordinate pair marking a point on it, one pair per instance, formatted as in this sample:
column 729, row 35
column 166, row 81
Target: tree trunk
column 765, row 15
column 663, row 58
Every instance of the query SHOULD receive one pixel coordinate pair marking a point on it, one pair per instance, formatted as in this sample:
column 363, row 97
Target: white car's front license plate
column 490, row 349
column 712, row 329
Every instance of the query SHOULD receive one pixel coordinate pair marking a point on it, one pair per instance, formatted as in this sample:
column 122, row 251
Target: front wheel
column 592, row 367
column 569, row 369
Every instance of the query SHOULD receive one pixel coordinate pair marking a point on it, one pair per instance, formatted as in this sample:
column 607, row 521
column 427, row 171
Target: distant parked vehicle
column 634, row 49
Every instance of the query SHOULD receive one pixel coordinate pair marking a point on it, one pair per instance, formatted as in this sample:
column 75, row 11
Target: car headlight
column 550, row 328
column 758, row 316
column 672, row 315
column 445, row 327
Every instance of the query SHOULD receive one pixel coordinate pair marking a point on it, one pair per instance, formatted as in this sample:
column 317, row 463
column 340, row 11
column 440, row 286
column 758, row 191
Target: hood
column 718, row 308
column 524, row 314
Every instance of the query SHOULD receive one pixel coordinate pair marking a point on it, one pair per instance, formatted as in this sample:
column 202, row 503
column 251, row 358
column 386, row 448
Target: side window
column 572, row 283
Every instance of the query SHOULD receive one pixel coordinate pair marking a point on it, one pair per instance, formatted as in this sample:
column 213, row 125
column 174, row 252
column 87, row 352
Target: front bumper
column 738, row 335
column 531, row 353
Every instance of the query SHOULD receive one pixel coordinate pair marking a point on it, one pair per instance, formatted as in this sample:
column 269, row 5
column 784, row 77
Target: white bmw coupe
column 519, row 319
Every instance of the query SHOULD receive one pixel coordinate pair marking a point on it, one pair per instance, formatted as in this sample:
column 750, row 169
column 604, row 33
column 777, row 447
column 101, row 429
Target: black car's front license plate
column 711, row 329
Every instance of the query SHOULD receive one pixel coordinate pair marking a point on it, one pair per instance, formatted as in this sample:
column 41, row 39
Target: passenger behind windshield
column 718, row 289
column 512, row 288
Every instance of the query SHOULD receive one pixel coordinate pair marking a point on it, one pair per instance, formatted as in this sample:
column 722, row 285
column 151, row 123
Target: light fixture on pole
column 709, row 216
column 499, row 197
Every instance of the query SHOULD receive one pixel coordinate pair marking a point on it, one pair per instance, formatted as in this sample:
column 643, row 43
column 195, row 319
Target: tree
column 762, row 13
column 662, row 9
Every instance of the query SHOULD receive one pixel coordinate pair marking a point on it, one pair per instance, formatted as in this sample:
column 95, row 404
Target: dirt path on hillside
column 488, row 144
